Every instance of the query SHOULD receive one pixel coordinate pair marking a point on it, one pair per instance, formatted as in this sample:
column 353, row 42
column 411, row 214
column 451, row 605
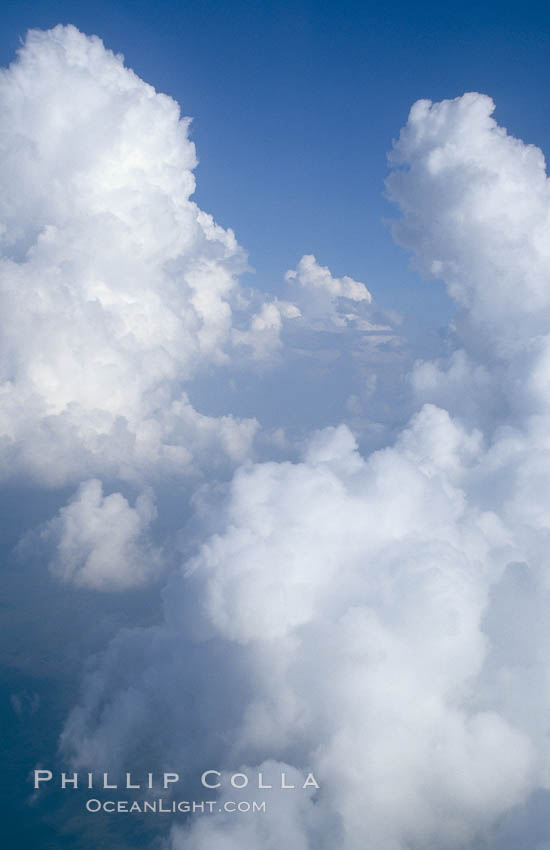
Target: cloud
column 474, row 203
column 102, row 542
column 263, row 335
column 122, row 294
column 325, row 301
column 475, row 211
column 379, row 619
column 310, row 274
column 118, row 287
column 354, row 592
column 316, row 301
column 289, row 819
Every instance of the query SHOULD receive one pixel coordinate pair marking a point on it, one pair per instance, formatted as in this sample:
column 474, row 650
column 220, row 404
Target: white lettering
column 210, row 773
column 41, row 776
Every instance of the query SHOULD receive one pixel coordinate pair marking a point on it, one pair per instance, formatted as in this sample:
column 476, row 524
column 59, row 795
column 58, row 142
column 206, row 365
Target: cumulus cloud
column 102, row 542
column 475, row 211
column 362, row 585
column 325, row 301
column 118, row 293
column 354, row 592
column 290, row 819
column 263, row 334
column 475, row 214
column 120, row 290
column 379, row 620
column 309, row 274
column 117, row 286
column 317, row 301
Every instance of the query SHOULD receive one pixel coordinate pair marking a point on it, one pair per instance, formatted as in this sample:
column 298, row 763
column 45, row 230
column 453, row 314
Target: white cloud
column 102, row 542
column 353, row 615
column 357, row 615
column 475, row 209
column 356, row 591
column 120, row 291
column 264, row 332
column 310, row 274
column 290, row 820
column 475, row 214
column 327, row 302
column 117, row 286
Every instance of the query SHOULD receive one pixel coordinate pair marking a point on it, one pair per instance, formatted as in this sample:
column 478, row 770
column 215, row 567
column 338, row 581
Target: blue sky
column 295, row 106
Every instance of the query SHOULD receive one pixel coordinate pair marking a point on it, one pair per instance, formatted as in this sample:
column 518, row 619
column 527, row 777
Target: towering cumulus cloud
column 378, row 622
column 475, row 205
column 118, row 288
